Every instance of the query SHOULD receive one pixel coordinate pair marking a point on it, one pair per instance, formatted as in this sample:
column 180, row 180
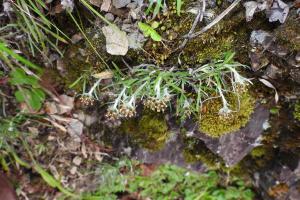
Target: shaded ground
column 72, row 139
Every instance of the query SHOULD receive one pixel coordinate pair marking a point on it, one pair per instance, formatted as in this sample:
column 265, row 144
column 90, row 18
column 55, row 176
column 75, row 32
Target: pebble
column 132, row 5
column 77, row 160
column 110, row 17
column 120, row 3
column 73, row 170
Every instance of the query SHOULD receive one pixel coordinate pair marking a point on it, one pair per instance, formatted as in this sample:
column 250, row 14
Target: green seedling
column 150, row 30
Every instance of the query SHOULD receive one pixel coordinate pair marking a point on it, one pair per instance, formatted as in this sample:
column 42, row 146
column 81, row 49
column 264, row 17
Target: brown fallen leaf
column 106, row 5
column 104, row 75
column 116, row 40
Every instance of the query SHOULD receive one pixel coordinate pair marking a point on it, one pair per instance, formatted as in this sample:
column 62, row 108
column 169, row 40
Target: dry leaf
column 76, row 38
column 75, row 129
column 106, row 5
column 96, row 2
column 83, row 150
column 270, row 85
column 116, row 40
column 77, row 160
column 55, row 124
column 104, row 75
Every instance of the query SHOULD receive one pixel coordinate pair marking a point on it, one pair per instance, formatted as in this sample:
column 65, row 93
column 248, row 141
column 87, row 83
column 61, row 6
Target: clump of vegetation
column 150, row 131
column 240, row 108
column 157, row 88
column 297, row 111
column 288, row 33
column 40, row 31
column 24, row 75
column 156, row 6
column 172, row 182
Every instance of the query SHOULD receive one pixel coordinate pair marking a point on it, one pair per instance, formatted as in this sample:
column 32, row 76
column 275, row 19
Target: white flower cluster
column 67, row 5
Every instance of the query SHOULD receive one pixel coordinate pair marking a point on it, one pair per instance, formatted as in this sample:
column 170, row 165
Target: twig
column 198, row 18
column 215, row 21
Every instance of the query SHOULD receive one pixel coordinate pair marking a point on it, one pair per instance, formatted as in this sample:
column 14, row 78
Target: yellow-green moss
column 258, row 152
column 150, row 131
column 219, row 39
column 215, row 125
column 297, row 111
column 195, row 151
column 205, row 156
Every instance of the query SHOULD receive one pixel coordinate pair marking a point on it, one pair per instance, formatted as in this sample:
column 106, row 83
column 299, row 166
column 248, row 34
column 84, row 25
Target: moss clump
column 209, row 46
column 196, row 151
column 212, row 44
column 216, row 125
column 204, row 156
column 258, row 152
column 288, row 33
column 150, row 131
column 297, row 111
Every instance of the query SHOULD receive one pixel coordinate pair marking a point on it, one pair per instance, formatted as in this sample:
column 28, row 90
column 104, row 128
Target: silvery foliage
column 275, row 10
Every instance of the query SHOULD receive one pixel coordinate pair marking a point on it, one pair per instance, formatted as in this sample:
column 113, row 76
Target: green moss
column 214, row 50
column 215, row 125
column 204, row 156
column 150, row 131
column 209, row 45
column 217, row 40
column 288, row 33
column 195, row 151
column 297, row 111
column 258, row 152
column 81, row 58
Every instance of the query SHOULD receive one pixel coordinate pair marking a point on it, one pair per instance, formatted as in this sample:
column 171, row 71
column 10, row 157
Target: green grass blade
column 21, row 59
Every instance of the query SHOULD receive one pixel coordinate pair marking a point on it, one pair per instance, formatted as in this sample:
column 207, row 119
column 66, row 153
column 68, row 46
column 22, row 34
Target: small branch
column 215, row 21
column 198, row 18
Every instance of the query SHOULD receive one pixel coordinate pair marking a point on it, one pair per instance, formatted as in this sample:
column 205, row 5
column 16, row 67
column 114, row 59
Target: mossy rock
column 297, row 111
column 208, row 46
column 204, row 156
column 216, row 125
column 150, row 131
column 288, row 33
column 196, row 151
column 82, row 58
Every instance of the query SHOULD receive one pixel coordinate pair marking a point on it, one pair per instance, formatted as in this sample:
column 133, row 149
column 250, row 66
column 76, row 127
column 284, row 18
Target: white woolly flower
column 67, row 5
column 225, row 111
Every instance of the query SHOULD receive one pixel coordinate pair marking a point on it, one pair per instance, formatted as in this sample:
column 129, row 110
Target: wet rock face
column 171, row 153
column 281, row 181
column 235, row 146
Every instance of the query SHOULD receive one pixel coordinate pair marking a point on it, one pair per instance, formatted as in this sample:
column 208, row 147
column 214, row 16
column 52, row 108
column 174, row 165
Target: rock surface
column 171, row 153
column 120, row 3
column 235, row 146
